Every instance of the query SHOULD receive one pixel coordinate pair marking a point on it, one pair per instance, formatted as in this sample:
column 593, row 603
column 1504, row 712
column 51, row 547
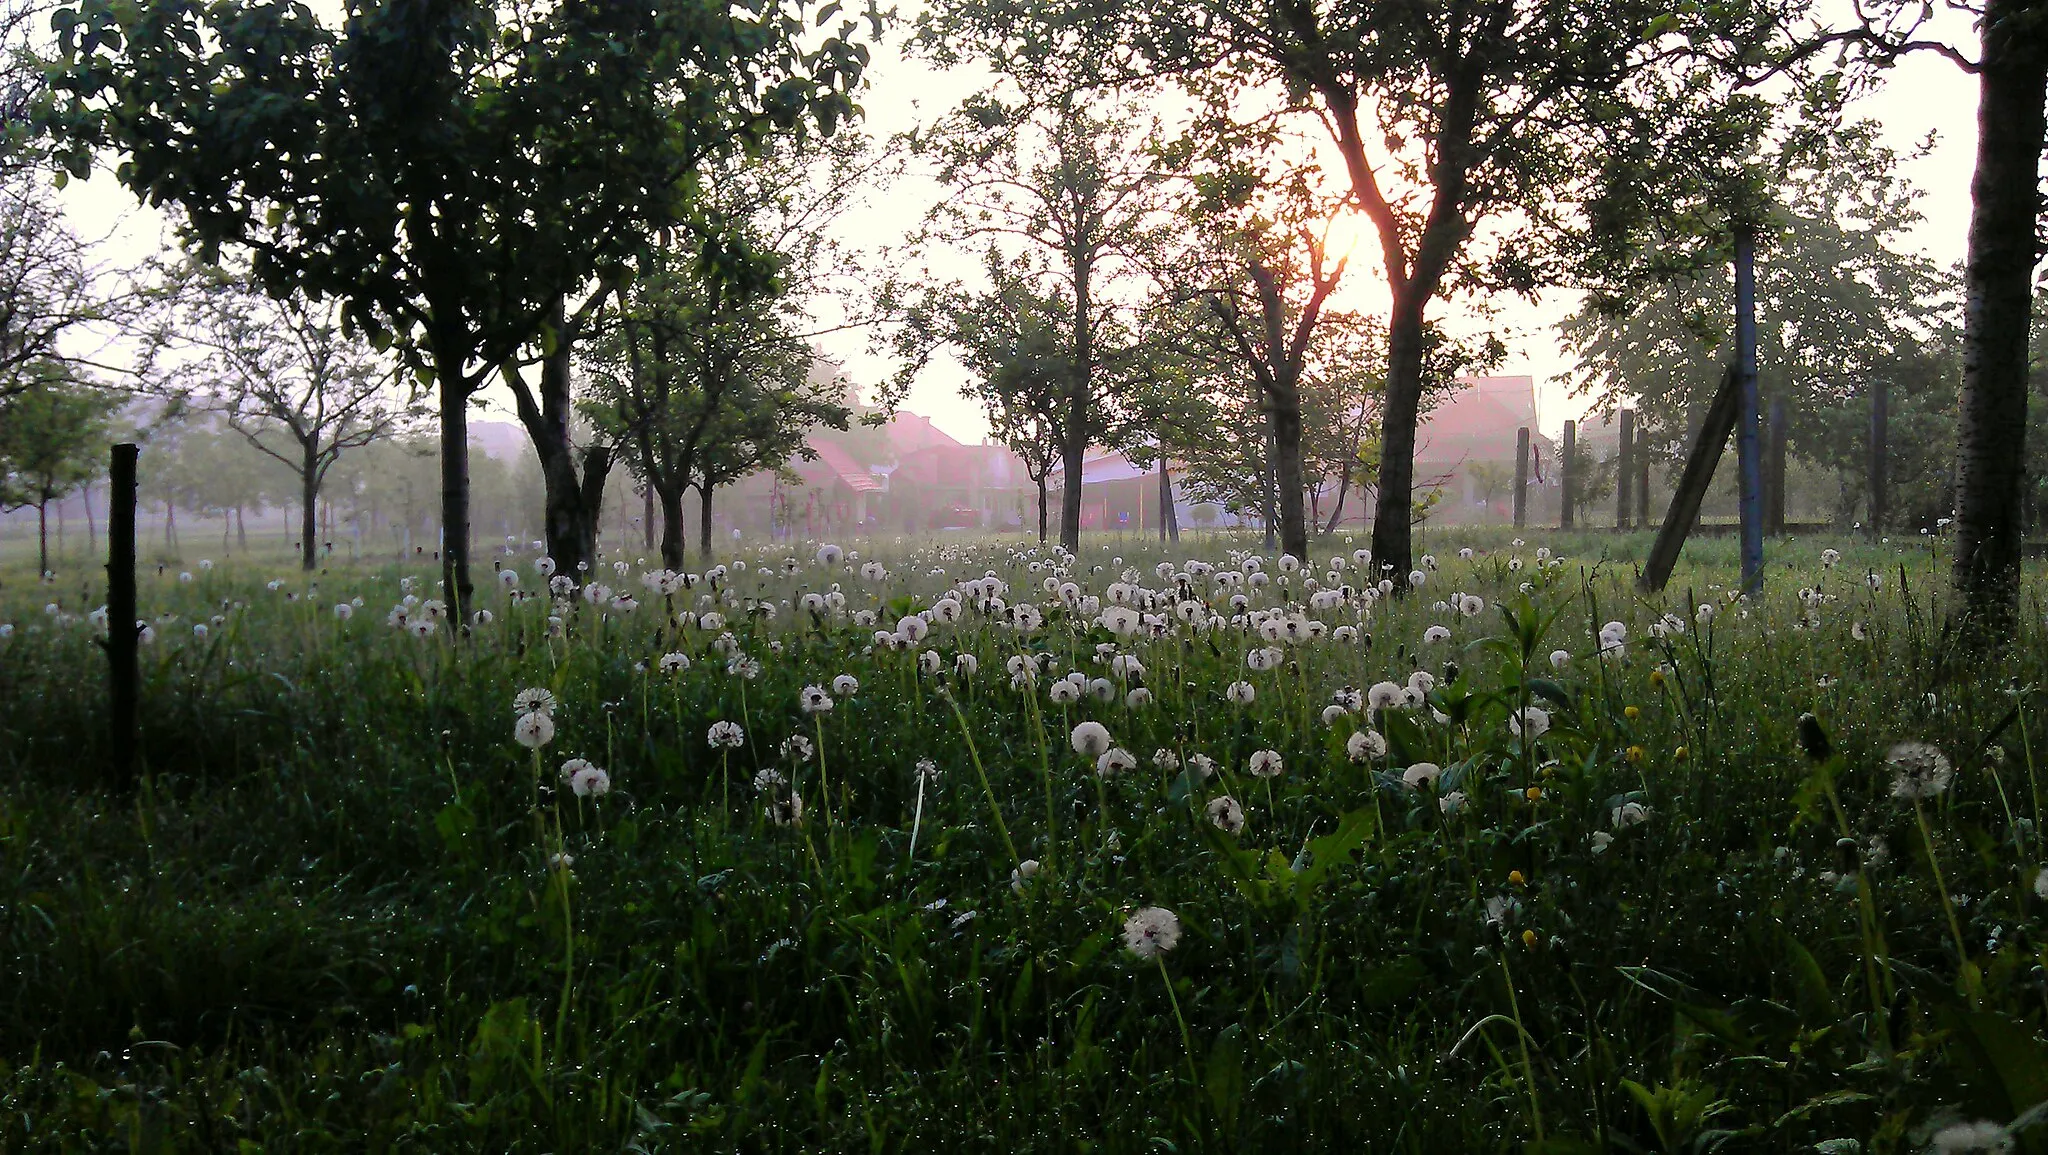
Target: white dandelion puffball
column 674, row 663
column 1024, row 872
column 544, row 566
column 1532, row 722
column 966, row 665
column 726, row 736
column 343, row 611
column 590, row 782
column 1918, row 770
column 1115, row 760
column 1225, row 814
column 1333, row 714
column 1421, row 774
column 1452, row 803
column 1166, row 759
column 1386, row 696
column 2041, row 883
column 1151, row 932
column 1471, row 605
column 830, row 556
column 1138, row 699
column 1265, row 764
column 1240, row 693
column 1416, row 578
column 814, row 700
column 533, row 700
column 786, row 811
column 1601, row 840
column 1559, row 659
column 1982, row 1135
column 509, row 578
column 533, row 730
column 1062, row 692
column 1629, row 814
column 1436, row 634
column 1090, row 739
column 846, row 685
column 1365, row 745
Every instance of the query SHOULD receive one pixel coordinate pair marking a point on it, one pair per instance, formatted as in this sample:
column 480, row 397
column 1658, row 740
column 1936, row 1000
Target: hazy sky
column 1922, row 94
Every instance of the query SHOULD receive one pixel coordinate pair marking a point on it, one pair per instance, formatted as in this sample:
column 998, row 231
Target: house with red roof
column 1465, row 450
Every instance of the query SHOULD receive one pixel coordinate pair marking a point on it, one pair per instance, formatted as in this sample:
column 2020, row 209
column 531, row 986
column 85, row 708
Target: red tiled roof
column 837, row 463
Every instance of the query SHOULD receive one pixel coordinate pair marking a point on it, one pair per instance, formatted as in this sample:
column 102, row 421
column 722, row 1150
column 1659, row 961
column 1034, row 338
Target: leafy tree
column 1841, row 302
column 2005, row 246
column 1469, row 131
column 272, row 367
column 453, row 171
column 53, row 436
column 764, row 422
column 1069, row 199
column 705, row 335
column 46, row 284
column 1010, row 341
column 1263, row 268
column 1593, row 478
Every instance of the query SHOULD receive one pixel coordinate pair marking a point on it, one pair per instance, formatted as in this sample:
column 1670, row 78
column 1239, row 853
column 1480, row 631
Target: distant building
column 1465, row 448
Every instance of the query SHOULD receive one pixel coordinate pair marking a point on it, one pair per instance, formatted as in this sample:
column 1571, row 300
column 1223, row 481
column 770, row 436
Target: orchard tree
column 719, row 321
column 1842, row 302
column 53, row 440
column 274, row 367
column 1470, row 131
column 453, row 172
column 46, row 284
column 1011, row 339
column 764, row 423
column 1071, row 199
column 1263, row 267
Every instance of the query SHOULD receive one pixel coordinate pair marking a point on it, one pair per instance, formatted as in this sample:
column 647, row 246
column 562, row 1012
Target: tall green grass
column 328, row 919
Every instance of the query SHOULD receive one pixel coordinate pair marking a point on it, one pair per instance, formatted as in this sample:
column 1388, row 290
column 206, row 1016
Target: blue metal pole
column 1749, row 455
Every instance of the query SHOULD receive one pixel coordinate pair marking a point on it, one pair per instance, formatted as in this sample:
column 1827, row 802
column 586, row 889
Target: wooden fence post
column 1567, row 467
column 123, row 635
column 1880, row 422
column 1521, row 476
column 1624, row 469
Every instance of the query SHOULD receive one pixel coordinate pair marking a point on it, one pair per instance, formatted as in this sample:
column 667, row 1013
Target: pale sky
column 1923, row 93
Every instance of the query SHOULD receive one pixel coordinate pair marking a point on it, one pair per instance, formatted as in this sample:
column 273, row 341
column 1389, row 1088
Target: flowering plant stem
column 974, row 756
column 824, row 783
column 1522, row 1039
column 1948, row 906
column 1187, row 1044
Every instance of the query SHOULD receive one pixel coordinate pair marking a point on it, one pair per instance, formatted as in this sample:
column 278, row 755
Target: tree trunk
column 241, row 531
column 1286, row 402
column 1080, row 402
column 573, row 503
column 672, row 543
column 1343, row 491
column 92, row 531
column 704, row 522
column 647, row 517
column 1072, row 453
column 1042, row 482
column 456, row 587
column 309, row 499
column 1392, row 539
column 43, row 537
column 1268, row 499
column 1997, row 299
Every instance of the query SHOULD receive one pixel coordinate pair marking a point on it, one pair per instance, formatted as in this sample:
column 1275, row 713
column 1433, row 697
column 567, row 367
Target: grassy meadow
column 968, row 843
